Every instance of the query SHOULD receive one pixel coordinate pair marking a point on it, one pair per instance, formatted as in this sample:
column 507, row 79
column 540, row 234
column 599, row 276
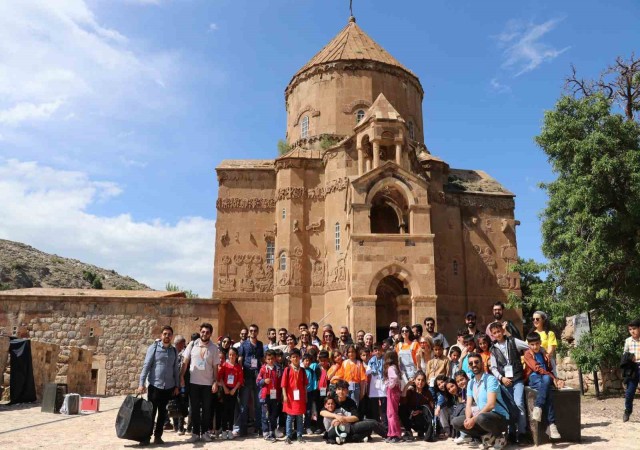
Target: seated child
column 330, row 405
column 541, row 378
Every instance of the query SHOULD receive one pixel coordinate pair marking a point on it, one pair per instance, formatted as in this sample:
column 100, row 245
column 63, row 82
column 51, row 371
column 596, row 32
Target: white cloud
column 49, row 209
column 498, row 87
column 213, row 27
column 523, row 49
column 56, row 56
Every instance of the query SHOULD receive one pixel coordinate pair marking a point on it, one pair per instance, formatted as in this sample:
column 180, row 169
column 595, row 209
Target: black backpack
column 505, row 399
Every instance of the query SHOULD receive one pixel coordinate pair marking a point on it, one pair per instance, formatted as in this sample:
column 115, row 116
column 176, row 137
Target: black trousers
column 490, row 422
column 159, row 398
column 377, row 409
column 356, row 432
column 200, row 401
column 228, row 411
column 422, row 422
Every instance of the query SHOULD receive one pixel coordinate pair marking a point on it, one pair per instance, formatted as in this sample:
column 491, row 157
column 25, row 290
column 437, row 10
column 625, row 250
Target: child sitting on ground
column 541, row 378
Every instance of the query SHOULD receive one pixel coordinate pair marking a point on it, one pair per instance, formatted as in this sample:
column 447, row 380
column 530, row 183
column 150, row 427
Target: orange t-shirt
column 414, row 347
column 352, row 372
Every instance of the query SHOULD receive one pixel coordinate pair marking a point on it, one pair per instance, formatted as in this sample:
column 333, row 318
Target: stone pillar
column 368, row 165
column 360, row 161
column 398, row 153
column 423, row 306
column 363, row 313
column 376, row 154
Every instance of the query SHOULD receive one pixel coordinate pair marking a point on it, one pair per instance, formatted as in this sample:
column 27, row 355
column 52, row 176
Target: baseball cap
column 470, row 314
column 393, row 325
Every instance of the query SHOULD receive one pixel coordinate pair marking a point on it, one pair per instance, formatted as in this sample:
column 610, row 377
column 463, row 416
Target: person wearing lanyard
column 377, row 391
column 506, row 366
column 488, row 419
column 294, row 398
column 268, row 382
column 202, row 358
column 407, row 351
column 230, row 378
column 354, row 372
column 251, row 354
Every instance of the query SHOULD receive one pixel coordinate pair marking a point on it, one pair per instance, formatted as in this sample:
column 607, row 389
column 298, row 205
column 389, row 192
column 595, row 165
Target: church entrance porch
column 393, row 304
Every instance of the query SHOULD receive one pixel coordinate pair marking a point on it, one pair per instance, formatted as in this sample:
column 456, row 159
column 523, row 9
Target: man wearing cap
column 393, row 330
column 470, row 322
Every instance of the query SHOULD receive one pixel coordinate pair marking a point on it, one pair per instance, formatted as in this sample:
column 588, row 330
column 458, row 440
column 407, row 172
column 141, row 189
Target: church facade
column 358, row 223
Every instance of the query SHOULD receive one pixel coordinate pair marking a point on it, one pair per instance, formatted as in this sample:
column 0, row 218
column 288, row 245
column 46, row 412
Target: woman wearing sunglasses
column 547, row 337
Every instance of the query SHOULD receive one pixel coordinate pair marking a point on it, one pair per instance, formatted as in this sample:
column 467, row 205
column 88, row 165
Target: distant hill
column 22, row 266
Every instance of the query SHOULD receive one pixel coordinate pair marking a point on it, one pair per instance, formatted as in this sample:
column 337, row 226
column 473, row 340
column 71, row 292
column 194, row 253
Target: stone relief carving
column 248, row 176
column 338, row 273
column 481, row 201
column 315, row 227
column 317, row 275
column 224, row 239
column 246, row 203
column 316, row 194
column 257, row 275
column 488, row 258
column 296, row 228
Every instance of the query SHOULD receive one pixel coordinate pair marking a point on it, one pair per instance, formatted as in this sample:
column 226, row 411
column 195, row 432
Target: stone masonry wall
column 121, row 329
column 44, row 357
column 609, row 380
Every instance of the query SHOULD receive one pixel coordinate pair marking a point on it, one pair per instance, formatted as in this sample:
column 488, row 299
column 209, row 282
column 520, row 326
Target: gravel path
column 25, row 427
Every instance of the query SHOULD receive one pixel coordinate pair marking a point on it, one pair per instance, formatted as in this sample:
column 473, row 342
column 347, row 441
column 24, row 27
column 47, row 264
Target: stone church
column 357, row 222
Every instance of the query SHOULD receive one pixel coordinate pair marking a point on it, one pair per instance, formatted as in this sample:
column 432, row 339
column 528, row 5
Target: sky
column 115, row 113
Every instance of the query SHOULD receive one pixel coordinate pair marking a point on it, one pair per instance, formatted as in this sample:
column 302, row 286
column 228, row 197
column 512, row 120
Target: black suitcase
column 135, row 419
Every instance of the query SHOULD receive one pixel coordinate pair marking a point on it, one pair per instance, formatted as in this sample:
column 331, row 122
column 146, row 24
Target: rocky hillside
column 22, row 266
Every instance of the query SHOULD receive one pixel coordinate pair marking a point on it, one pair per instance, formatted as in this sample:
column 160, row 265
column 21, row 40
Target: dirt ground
column 25, row 427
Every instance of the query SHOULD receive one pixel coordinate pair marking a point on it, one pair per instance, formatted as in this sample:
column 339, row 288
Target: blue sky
column 114, row 113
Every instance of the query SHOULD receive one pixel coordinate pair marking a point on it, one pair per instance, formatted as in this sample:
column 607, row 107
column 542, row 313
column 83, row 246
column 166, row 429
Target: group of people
column 316, row 382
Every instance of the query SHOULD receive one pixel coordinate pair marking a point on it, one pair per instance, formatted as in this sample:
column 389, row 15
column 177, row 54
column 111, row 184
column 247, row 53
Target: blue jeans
column 299, row 419
column 250, row 389
column 355, row 393
column 630, row 393
column 543, row 384
column 517, row 392
column 269, row 416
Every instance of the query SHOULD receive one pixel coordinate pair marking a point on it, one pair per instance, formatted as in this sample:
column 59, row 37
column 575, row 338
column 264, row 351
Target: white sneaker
column 537, row 414
column 488, row 440
column 339, row 440
column 207, row 437
column 230, row 435
column 553, row 432
column 193, row 438
column 462, row 440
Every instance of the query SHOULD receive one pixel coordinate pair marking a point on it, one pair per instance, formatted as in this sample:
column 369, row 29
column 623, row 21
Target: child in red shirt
column 230, row 378
column 268, row 382
column 294, row 395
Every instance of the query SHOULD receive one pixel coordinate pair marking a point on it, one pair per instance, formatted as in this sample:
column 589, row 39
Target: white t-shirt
column 202, row 360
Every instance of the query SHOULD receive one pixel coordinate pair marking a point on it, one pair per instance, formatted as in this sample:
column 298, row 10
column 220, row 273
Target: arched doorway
column 392, row 305
column 389, row 212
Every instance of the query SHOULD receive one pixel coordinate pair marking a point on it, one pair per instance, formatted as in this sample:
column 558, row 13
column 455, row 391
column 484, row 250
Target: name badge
column 352, row 386
column 296, row 394
column 323, row 392
column 432, row 381
column 254, row 363
column 231, row 379
column 199, row 364
column 508, row 371
column 379, row 384
column 272, row 394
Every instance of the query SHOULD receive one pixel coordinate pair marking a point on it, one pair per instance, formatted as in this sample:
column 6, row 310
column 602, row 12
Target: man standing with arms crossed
column 160, row 368
column 250, row 356
column 202, row 358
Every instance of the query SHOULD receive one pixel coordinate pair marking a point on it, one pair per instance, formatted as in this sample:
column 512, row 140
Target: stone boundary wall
column 609, row 380
column 119, row 329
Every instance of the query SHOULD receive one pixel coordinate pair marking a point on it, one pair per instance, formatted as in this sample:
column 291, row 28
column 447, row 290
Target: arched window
column 412, row 132
column 284, row 213
column 271, row 250
column 359, row 116
column 283, row 261
column 337, row 236
column 304, row 128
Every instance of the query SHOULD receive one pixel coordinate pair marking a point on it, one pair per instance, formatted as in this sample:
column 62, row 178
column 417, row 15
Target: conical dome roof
column 352, row 44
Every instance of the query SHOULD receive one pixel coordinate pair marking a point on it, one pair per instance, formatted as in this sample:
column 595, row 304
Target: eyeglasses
column 405, row 331
column 282, row 333
column 475, row 363
column 253, row 331
column 537, row 319
column 205, row 332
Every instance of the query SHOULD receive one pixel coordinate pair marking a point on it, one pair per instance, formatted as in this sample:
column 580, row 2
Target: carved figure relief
column 257, row 275
column 315, row 227
column 487, row 277
column 317, row 193
column 224, row 239
column 296, row 228
column 317, row 276
column 338, row 273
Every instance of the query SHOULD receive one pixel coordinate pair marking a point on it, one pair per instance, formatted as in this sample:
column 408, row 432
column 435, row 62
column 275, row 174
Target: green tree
column 590, row 224
column 171, row 287
column 283, row 147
